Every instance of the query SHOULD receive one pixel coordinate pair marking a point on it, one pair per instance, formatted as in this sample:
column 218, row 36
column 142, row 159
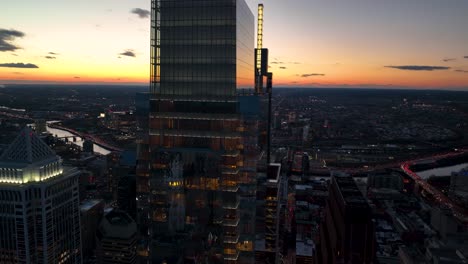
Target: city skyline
column 409, row 44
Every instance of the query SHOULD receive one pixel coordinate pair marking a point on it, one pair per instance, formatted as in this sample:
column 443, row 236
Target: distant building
column 39, row 206
column 88, row 146
column 113, row 173
column 40, row 126
column 91, row 212
column 126, row 194
column 116, row 239
column 348, row 232
column 449, row 228
column 385, row 180
column 459, row 185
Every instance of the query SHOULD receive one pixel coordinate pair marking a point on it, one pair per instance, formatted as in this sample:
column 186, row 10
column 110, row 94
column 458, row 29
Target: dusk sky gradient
column 312, row 43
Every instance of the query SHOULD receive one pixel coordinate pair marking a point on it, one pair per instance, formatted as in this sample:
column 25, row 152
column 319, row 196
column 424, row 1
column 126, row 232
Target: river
column 443, row 171
column 79, row 141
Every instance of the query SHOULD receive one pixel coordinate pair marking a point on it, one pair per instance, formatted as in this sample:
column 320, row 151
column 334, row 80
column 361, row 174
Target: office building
column 268, row 244
column 348, row 232
column 91, row 212
column 190, row 166
column 39, row 205
column 116, row 238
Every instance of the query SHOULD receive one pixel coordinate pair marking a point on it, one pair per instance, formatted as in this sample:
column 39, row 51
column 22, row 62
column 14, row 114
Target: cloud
column 418, row 68
column 76, row 77
column 6, row 36
column 283, row 68
column 142, row 13
column 19, row 65
column 50, row 57
column 306, row 75
column 53, row 53
column 449, row 59
column 2, row 86
column 277, row 62
column 466, row 57
column 128, row 53
column 19, row 73
column 463, row 71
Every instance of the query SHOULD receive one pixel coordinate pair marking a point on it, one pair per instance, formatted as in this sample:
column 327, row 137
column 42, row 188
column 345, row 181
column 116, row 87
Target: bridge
column 439, row 197
column 93, row 138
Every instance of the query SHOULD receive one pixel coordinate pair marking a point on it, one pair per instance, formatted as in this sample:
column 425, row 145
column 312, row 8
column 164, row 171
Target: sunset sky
column 312, row 43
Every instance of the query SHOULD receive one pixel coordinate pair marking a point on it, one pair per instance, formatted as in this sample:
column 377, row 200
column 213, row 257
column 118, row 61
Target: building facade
column 39, row 205
column 116, row 238
column 191, row 165
column 348, row 231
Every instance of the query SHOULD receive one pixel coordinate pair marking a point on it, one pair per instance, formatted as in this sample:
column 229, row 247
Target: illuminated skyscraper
column 191, row 165
column 39, row 205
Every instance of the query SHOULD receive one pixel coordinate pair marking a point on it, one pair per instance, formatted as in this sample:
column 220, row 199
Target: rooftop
column 88, row 204
column 27, row 148
column 349, row 190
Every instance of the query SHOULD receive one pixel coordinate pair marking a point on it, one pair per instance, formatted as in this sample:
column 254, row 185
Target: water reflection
column 79, row 141
column 444, row 171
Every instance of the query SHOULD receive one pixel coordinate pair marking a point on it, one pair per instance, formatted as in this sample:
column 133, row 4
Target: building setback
column 39, row 205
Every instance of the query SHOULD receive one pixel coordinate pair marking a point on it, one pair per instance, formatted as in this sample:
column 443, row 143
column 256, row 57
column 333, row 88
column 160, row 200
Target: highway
column 437, row 195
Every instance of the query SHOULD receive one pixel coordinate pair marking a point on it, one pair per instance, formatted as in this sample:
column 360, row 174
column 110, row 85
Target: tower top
column 28, row 159
column 27, row 148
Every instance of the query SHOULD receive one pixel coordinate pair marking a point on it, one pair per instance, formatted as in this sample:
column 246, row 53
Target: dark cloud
column 6, row 36
column 449, row 59
column 128, row 53
column 53, row 53
column 19, row 65
column 283, row 68
column 466, row 57
column 50, row 57
column 142, row 13
column 295, row 62
column 277, row 62
column 463, row 71
column 418, row 68
column 311, row 74
column 76, row 77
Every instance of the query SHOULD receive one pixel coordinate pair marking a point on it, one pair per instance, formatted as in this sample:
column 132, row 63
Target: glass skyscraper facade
column 191, row 165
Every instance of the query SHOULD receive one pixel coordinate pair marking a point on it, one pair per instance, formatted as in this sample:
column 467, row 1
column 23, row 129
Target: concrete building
column 385, row 180
column 116, row 239
column 39, row 205
column 91, row 212
column 348, row 231
column 268, row 244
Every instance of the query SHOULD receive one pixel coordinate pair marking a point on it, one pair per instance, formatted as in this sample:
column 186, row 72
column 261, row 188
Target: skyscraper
column 348, row 231
column 116, row 238
column 39, row 206
column 190, row 167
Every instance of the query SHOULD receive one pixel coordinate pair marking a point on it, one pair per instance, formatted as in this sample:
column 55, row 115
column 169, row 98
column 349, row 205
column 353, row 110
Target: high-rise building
column 191, row 165
column 269, row 196
column 91, row 212
column 116, row 238
column 348, row 231
column 39, row 205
